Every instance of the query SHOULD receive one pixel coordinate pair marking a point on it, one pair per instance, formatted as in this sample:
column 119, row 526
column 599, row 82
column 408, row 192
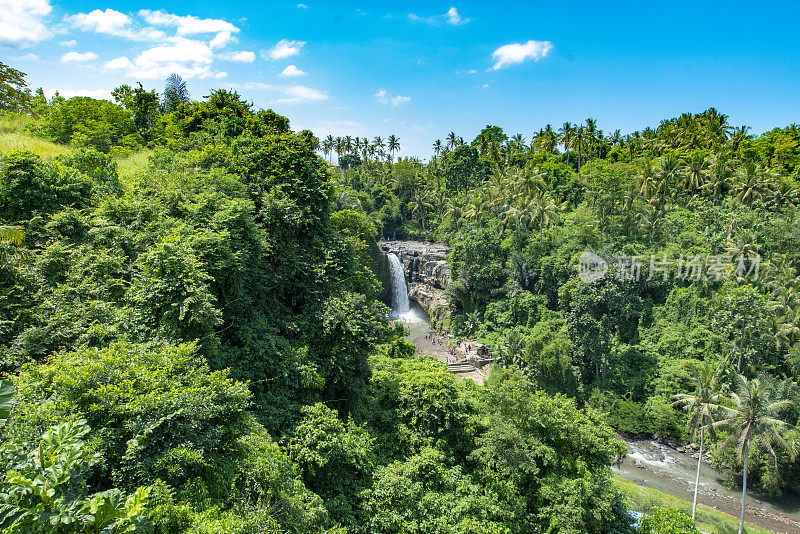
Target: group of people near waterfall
column 437, row 340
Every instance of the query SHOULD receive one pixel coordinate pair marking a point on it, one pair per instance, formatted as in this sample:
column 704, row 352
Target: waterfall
column 399, row 288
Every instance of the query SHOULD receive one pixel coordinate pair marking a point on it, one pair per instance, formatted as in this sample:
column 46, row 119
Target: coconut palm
column 753, row 421
column 437, row 147
column 327, row 146
column 452, row 140
column 702, row 405
column 720, row 175
column 393, row 144
column 420, row 204
column 698, row 171
column 378, row 143
column 544, row 211
column 750, row 183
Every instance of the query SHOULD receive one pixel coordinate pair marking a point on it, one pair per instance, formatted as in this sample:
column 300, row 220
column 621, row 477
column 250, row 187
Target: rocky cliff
column 424, row 263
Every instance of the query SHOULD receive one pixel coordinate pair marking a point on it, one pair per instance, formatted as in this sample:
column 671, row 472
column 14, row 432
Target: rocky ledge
column 427, row 296
column 424, row 263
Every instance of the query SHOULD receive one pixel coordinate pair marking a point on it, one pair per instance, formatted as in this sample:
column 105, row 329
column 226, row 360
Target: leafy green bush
column 155, row 412
column 44, row 488
column 667, row 521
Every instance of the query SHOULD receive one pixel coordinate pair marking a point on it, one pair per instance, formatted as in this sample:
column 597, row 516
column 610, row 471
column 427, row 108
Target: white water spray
column 399, row 288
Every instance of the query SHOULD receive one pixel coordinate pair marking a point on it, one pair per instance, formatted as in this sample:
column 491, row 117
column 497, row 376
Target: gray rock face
column 424, row 263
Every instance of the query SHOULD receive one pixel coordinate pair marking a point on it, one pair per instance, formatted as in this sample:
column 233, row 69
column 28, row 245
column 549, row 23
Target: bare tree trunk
column 697, row 476
column 744, row 485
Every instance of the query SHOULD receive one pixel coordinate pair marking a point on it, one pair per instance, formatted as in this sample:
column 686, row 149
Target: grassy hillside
column 708, row 520
column 14, row 135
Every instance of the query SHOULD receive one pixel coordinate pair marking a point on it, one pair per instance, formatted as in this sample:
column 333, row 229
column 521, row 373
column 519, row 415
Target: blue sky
column 421, row 69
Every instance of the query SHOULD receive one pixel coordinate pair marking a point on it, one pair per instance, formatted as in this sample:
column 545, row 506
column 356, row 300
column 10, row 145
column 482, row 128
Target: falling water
column 399, row 288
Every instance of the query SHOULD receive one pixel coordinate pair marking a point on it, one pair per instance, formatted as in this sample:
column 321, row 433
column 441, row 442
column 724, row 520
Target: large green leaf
column 6, row 401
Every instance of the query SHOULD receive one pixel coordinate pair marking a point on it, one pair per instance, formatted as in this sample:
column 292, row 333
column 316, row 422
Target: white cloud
column 514, row 53
column 451, row 17
column 118, row 64
column 454, row 18
column 100, row 94
column 292, row 71
column 22, row 22
column 188, row 57
column 78, row 57
column 291, row 94
column 239, row 57
column 69, row 44
column 28, row 57
column 187, row 25
column 221, row 40
column 285, row 48
column 302, row 6
column 384, row 97
column 111, row 22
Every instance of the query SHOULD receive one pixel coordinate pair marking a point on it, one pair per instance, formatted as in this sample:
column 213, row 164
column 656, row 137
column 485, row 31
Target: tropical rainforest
column 193, row 334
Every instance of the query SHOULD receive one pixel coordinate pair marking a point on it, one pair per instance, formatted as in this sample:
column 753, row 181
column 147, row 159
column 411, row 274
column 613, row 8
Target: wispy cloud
column 115, row 23
column 69, row 44
column 78, row 57
column 292, row 72
column 22, row 22
column 188, row 24
column 514, row 53
column 454, row 18
column 384, row 97
column 188, row 57
column 239, row 57
column 302, row 6
column 451, row 17
column 285, row 48
column 100, row 94
column 290, row 94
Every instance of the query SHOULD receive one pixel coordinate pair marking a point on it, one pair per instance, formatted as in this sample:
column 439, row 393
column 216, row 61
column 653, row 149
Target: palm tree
column 472, row 322
column 378, row 143
column 701, row 407
column 698, row 168
column 175, row 93
column 566, row 137
column 652, row 217
column 452, row 140
column 437, row 147
column 544, row 211
column 647, row 178
column 338, row 147
column 393, row 144
column 752, row 420
column 751, row 183
column 420, row 204
column 327, row 146
column 454, row 211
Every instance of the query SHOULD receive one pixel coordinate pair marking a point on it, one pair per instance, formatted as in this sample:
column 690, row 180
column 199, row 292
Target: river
column 660, row 467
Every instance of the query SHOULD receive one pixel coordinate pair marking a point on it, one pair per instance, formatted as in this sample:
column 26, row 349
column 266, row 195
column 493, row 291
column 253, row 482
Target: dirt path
column 439, row 347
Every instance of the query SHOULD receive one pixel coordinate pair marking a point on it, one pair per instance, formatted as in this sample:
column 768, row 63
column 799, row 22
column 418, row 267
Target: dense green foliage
column 696, row 223
column 205, row 335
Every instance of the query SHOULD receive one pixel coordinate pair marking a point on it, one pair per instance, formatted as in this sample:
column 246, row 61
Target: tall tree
column 701, row 407
column 752, row 420
column 393, row 144
column 14, row 93
column 175, row 93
